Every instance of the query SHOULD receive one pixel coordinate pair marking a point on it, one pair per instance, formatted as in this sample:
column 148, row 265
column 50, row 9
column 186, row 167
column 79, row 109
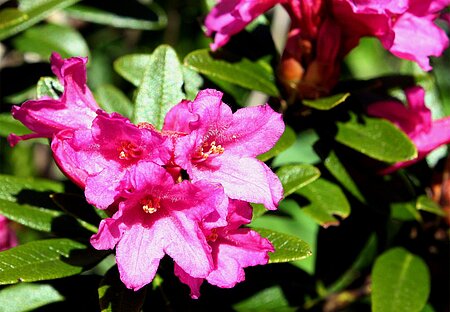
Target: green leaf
column 296, row 176
column 287, row 247
column 326, row 103
column 45, row 39
column 27, row 297
column 400, row 282
column 10, row 125
column 376, row 138
column 302, row 151
column 94, row 15
column 326, row 199
column 49, row 86
column 11, row 186
column 269, row 299
column 46, row 259
column 112, row 99
column 192, row 82
column 427, row 204
column 16, row 23
column 160, row 88
column 337, row 169
column 114, row 296
column 10, row 17
column 242, row 72
column 285, row 141
column 132, row 67
column 404, row 211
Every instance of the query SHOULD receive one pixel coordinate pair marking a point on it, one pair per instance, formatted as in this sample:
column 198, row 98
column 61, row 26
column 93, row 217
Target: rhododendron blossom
column 221, row 146
column 415, row 120
column 75, row 109
column 7, row 236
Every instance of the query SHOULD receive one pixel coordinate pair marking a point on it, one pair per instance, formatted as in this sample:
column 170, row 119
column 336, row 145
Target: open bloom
column 233, row 249
column 160, row 217
column 75, row 109
column 100, row 158
column 7, row 236
column 415, row 120
column 220, row 147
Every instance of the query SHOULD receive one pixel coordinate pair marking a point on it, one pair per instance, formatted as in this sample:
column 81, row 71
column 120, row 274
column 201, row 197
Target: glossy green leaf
column 302, row 151
column 27, row 297
column 192, row 82
column 337, row 169
column 94, row 15
column 10, row 17
column 132, row 67
column 45, row 260
column 296, row 176
column 376, row 138
column 287, row 247
column 242, row 72
column 404, row 211
column 326, row 199
column 427, row 204
column 112, row 99
column 34, row 13
column 239, row 94
column 45, row 39
column 270, row 299
column 160, row 88
column 10, row 125
column 49, row 86
column 11, row 186
column 328, row 102
column 114, row 296
column 400, row 282
column 285, row 141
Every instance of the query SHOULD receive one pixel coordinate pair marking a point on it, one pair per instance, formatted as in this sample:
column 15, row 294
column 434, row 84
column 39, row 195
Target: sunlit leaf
column 131, row 67
column 326, row 103
column 285, row 141
column 112, row 99
column 11, row 186
column 427, row 204
column 49, row 86
column 27, row 297
column 270, row 299
column 296, row 176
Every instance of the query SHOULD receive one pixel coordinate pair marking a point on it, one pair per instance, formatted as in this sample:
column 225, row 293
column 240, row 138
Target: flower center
column 128, row 150
column 150, row 205
column 207, row 150
column 212, row 237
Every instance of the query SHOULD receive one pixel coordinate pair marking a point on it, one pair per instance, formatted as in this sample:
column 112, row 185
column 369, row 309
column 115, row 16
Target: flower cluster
column 183, row 191
column 323, row 32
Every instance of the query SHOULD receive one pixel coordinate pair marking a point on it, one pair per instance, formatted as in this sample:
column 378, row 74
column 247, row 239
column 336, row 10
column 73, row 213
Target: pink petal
column 193, row 283
column 8, row 238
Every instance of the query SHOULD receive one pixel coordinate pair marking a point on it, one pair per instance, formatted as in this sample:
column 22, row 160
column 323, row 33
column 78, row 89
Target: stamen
column 128, row 150
column 150, row 205
column 212, row 237
column 212, row 149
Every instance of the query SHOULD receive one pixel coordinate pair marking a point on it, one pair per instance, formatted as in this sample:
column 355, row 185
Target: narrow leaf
column 376, row 138
column 287, row 247
column 326, row 200
column 400, row 282
column 11, row 186
column 49, row 86
column 27, row 297
column 132, row 67
column 112, row 99
column 10, row 17
column 296, row 176
column 242, row 72
column 160, row 88
column 286, row 140
column 427, row 204
column 46, row 259
column 326, row 103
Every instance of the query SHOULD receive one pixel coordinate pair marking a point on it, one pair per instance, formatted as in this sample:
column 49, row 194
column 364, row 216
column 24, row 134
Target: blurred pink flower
column 160, row 217
column 415, row 120
column 75, row 109
column 221, row 147
column 233, row 249
column 7, row 236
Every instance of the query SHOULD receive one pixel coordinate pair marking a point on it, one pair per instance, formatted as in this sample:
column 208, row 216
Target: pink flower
column 221, row 147
column 160, row 217
column 415, row 120
column 7, row 236
column 100, row 158
column 75, row 109
column 233, row 249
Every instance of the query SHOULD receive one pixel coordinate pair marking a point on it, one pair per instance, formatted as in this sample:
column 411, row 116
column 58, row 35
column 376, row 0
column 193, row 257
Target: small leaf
column 49, row 86
column 400, row 282
column 296, row 176
column 114, row 296
column 376, row 138
column 242, row 72
column 427, row 204
column 326, row 103
column 160, row 89
column 27, row 297
column 269, row 299
column 286, row 140
column 10, row 17
column 326, row 199
column 45, row 39
column 287, row 247
column 10, row 125
column 46, row 259
column 111, row 99
column 132, row 67
column 11, row 186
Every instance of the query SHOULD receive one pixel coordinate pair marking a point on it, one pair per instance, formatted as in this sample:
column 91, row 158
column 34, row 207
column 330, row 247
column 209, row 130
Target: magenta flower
column 221, row 147
column 7, row 236
column 415, row 120
column 75, row 109
column 160, row 217
column 233, row 249
column 100, row 158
